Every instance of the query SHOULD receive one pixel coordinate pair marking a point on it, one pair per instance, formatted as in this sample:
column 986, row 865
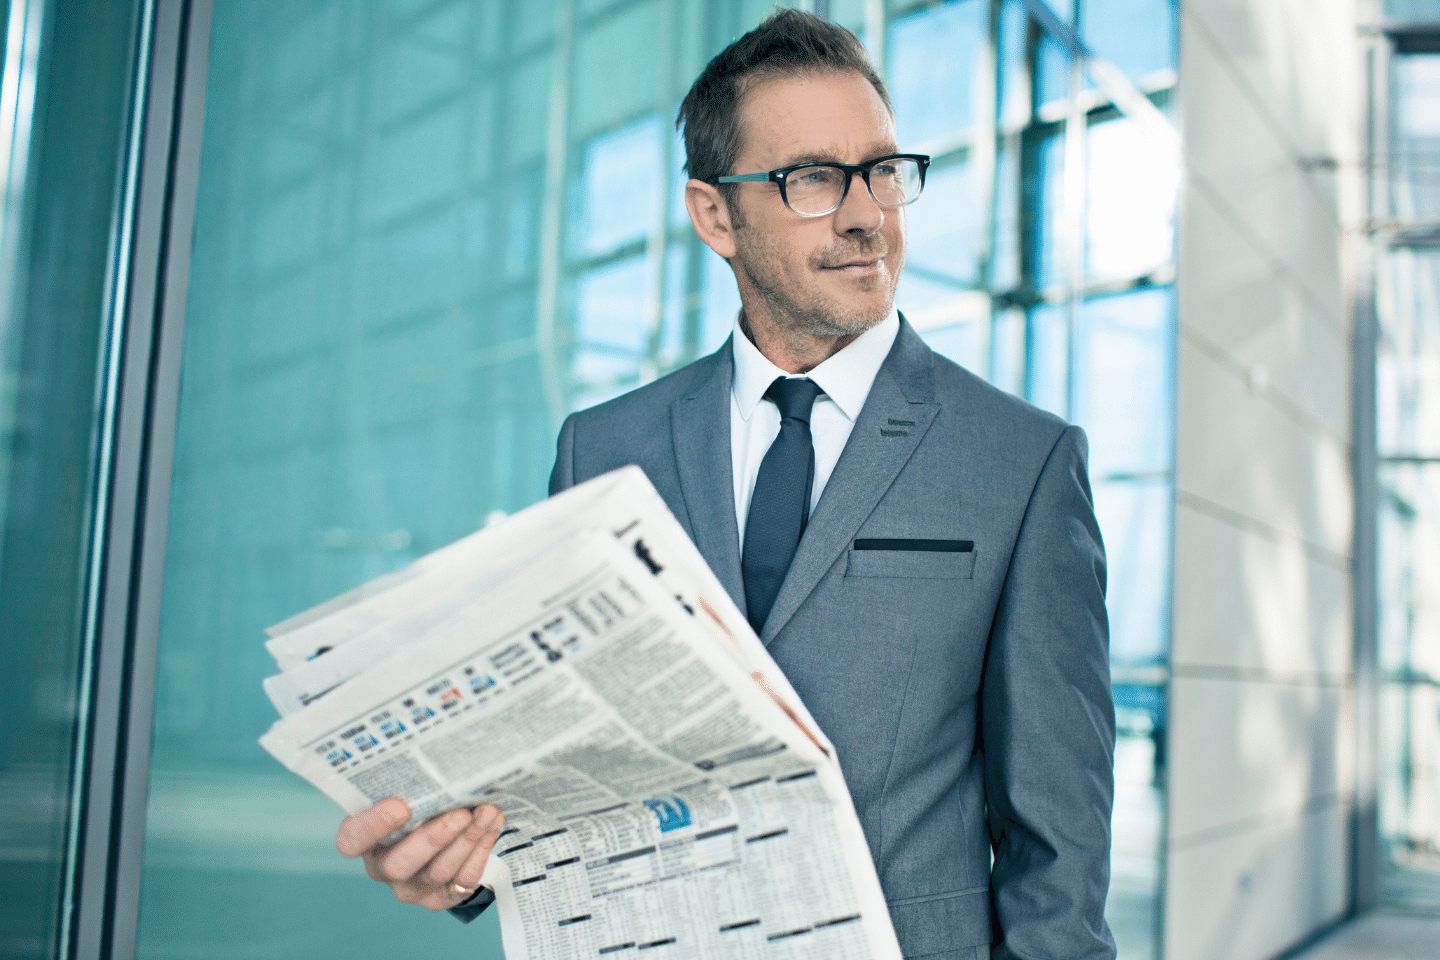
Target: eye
column 815, row 176
column 887, row 168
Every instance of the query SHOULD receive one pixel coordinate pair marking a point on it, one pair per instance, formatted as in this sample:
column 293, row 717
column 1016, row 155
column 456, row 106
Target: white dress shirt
column 844, row 379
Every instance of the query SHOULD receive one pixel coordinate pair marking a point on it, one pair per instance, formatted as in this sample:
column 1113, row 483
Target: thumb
column 360, row 832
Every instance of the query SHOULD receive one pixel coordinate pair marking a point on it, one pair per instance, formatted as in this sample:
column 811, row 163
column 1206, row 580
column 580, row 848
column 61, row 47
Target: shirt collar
column 845, row 378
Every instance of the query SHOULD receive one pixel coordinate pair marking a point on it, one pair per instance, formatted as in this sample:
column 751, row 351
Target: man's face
column 832, row 275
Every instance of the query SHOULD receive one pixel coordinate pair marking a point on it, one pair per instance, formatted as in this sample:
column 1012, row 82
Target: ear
column 710, row 217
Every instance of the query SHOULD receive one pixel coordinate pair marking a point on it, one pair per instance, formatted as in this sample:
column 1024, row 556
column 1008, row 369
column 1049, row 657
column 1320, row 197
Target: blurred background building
column 294, row 293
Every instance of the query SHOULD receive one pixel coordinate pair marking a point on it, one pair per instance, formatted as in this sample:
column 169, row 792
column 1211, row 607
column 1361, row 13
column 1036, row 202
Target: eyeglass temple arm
column 742, row 178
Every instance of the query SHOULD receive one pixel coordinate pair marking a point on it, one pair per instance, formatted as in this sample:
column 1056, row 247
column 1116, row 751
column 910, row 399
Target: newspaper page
column 319, row 652
column 659, row 796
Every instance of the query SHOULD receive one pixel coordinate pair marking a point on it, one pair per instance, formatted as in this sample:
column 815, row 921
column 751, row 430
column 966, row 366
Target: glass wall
column 429, row 229
column 1408, row 438
column 1042, row 257
column 64, row 102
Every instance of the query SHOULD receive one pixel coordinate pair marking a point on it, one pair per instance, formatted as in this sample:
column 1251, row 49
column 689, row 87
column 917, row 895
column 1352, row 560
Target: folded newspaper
column 579, row 666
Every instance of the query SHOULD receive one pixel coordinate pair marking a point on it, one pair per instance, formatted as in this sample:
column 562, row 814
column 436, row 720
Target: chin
column 832, row 324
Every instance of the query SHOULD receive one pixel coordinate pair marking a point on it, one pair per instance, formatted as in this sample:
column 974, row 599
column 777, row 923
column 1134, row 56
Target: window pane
column 1413, row 9
column 722, row 302
column 1007, row 351
column 1053, row 66
column 1415, row 189
column 1047, row 223
column 622, row 179
column 365, row 380
column 932, row 59
column 1014, row 74
column 1130, row 205
column 945, row 227
column 673, row 337
column 1005, row 263
column 955, row 325
column 1138, row 818
column 1408, row 421
column 1138, row 36
column 961, row 342
column 1410, row 569
column 610, row 305
column 1409, row 635
column 63, row 143
column 1047, row 375
column 1408, row 355
column 1134, row 519
column 1124, row 382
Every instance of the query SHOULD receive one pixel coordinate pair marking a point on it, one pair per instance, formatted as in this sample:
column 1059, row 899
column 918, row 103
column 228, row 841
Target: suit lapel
column 700, row 424
column 896, row 415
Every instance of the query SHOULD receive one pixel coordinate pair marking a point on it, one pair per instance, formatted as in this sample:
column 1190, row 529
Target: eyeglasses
column 815, row 189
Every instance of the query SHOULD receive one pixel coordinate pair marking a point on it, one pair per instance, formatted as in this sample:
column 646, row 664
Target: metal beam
column 1111, row 80
column 152, row 277
column 552, row 216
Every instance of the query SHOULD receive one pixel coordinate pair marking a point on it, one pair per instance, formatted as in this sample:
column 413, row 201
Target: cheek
column 897, row 244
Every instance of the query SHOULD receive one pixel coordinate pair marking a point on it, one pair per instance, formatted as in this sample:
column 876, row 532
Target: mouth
column 856, row 268
column 861, row 260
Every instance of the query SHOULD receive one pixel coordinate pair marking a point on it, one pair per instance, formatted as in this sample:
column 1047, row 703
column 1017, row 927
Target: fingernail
column 458, row 819
column 485, row 817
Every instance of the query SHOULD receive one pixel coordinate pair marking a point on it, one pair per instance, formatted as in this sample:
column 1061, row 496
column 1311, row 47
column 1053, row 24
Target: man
column 941, row 609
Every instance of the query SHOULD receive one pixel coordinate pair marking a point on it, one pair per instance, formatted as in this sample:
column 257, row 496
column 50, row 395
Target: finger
column 443, row 867
column 372, row 867
column 360, row 832
column 469, row 874
column 448, row 862
column 418, row 849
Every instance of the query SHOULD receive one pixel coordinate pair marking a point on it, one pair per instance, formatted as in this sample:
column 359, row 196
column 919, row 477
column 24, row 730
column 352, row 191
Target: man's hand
column 438, row 866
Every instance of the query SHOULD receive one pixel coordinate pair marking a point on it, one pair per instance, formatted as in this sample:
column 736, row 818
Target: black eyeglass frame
column 850, row 170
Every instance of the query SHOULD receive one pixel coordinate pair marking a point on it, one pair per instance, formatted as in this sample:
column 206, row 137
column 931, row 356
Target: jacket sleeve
column 562, row 477
column 473, row 907
column 1048, row 726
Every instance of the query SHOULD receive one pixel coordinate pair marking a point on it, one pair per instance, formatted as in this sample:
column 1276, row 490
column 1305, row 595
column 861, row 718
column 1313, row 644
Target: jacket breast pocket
column 907, row 559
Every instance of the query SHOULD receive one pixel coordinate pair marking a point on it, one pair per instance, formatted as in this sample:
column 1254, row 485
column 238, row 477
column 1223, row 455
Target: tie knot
column 794, row 397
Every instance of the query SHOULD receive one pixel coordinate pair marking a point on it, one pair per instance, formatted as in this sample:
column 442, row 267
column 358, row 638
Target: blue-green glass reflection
column 1047, row 355
column 411, row 261
column 1053, row 65
column 64, row 109
column 1050, row 237
column 933, row 57
column 1415, row 126
column 1124, row 383
column 1422, row 10
column 621, row 174
column 1408, row 535
column 945, row 228
column 1138, row 36
column 1013, row 76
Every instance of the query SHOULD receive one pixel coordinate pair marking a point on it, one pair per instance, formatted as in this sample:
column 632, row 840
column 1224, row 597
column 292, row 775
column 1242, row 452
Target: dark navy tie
column 780, row 505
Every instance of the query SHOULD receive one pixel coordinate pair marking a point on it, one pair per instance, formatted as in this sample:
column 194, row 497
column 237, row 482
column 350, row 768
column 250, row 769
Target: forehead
column 830, row 116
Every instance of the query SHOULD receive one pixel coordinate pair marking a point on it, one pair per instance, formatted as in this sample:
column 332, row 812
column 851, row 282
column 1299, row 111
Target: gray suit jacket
column 967, row 692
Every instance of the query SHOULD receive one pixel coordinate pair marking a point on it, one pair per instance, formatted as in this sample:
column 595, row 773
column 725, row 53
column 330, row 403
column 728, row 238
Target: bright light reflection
column 1132, row 182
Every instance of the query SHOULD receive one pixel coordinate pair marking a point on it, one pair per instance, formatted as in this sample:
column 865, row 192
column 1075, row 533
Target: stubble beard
column 815, row 316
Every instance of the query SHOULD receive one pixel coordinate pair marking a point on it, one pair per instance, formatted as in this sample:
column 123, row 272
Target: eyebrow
column 827, row 157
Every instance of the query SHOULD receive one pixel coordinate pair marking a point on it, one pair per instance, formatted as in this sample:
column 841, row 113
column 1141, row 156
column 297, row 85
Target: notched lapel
column 891, row 425
column 700, row 425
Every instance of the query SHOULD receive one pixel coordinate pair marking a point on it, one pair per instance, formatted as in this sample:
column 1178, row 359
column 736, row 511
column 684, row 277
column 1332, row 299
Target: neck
column 794, row 351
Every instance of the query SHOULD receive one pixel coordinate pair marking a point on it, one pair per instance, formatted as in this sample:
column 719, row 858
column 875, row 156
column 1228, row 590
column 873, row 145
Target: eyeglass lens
column 818, row 190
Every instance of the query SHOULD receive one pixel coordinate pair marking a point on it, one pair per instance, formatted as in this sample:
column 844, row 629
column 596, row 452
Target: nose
column 859, row 214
